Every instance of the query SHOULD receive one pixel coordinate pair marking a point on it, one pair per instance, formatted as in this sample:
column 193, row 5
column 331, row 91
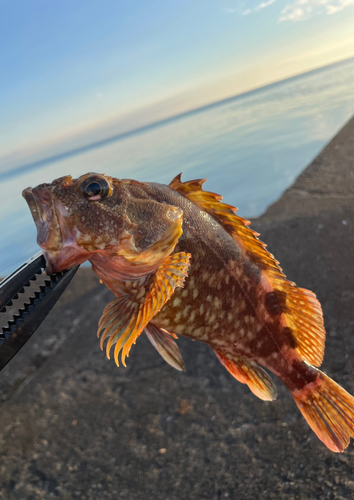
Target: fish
column 179, row 261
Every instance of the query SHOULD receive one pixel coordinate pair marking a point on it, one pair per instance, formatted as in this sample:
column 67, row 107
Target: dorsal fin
column 236, row 226
column 301, row 308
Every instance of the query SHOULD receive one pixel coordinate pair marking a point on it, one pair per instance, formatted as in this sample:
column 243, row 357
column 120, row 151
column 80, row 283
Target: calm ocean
column 251, row 148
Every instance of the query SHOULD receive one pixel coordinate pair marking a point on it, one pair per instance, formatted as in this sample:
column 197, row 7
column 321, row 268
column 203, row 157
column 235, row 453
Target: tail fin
column 329, row 411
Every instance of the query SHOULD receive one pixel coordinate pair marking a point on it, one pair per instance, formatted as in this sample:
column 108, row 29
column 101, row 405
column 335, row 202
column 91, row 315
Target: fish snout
column 41, row 205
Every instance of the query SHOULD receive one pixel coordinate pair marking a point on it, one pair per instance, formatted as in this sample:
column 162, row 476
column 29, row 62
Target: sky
column 75, row 71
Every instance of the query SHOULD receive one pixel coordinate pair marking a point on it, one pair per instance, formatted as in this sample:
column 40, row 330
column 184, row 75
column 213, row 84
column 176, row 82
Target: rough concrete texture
column 73, row 425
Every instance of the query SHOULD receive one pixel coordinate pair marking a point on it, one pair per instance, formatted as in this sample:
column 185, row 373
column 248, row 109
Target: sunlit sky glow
column 73, row 72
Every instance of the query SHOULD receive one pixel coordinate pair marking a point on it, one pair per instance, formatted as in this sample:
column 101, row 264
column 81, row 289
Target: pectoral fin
column 248, row 372
column 125, row 318
column 165, row 345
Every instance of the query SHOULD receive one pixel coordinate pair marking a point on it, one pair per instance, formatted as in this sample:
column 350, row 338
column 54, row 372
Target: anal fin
column 165, row 346
column 250, row 373
column 125, row 318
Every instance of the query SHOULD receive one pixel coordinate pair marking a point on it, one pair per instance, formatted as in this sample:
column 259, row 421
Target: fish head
column 102, row 219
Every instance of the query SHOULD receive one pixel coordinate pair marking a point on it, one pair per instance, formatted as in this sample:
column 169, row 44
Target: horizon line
column 153, row 125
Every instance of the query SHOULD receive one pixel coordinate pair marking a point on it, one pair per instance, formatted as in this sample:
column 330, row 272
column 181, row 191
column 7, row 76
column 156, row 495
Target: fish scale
column 242, row 292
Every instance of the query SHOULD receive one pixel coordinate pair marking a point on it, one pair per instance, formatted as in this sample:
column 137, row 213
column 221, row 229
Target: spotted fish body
column 181, row 262
column 226, row 302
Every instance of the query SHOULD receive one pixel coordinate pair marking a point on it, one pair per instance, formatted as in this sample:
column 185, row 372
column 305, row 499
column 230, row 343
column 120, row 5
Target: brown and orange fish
column 180, row 262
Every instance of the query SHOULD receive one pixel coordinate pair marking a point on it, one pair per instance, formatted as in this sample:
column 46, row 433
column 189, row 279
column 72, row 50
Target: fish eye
column 95, row 187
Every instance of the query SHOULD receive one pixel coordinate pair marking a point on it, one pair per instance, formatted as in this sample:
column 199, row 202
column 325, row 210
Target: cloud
column 263, row 5
column 304, row 9
column 239, row 10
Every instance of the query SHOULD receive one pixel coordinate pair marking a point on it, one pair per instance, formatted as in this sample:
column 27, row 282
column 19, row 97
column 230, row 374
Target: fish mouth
column 41, row 205
column 49, row 235
column 55, row 235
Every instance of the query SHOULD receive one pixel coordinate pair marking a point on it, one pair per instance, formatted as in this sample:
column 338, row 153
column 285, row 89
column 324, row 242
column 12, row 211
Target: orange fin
column 125, row 318
column 165, row 346
column 303, row 315
column 302, row 310
column 329, row 411
column 250, row 373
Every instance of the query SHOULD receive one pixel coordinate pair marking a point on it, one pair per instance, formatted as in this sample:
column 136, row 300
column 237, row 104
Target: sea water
column 250, row 147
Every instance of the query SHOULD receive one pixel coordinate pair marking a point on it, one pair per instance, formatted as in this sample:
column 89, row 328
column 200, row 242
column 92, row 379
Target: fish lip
column 54, row 236
column 31, row 202
column 40, row 203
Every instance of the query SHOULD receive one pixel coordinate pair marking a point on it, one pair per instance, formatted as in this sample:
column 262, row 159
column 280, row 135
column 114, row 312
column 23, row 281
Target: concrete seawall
column 73, row 425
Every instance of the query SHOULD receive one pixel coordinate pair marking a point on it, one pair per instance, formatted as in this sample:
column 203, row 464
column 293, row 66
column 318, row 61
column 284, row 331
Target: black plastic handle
column 26, row 321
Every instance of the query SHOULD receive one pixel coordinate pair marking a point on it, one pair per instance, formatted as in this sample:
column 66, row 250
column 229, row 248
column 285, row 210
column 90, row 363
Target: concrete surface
column 73, row 425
